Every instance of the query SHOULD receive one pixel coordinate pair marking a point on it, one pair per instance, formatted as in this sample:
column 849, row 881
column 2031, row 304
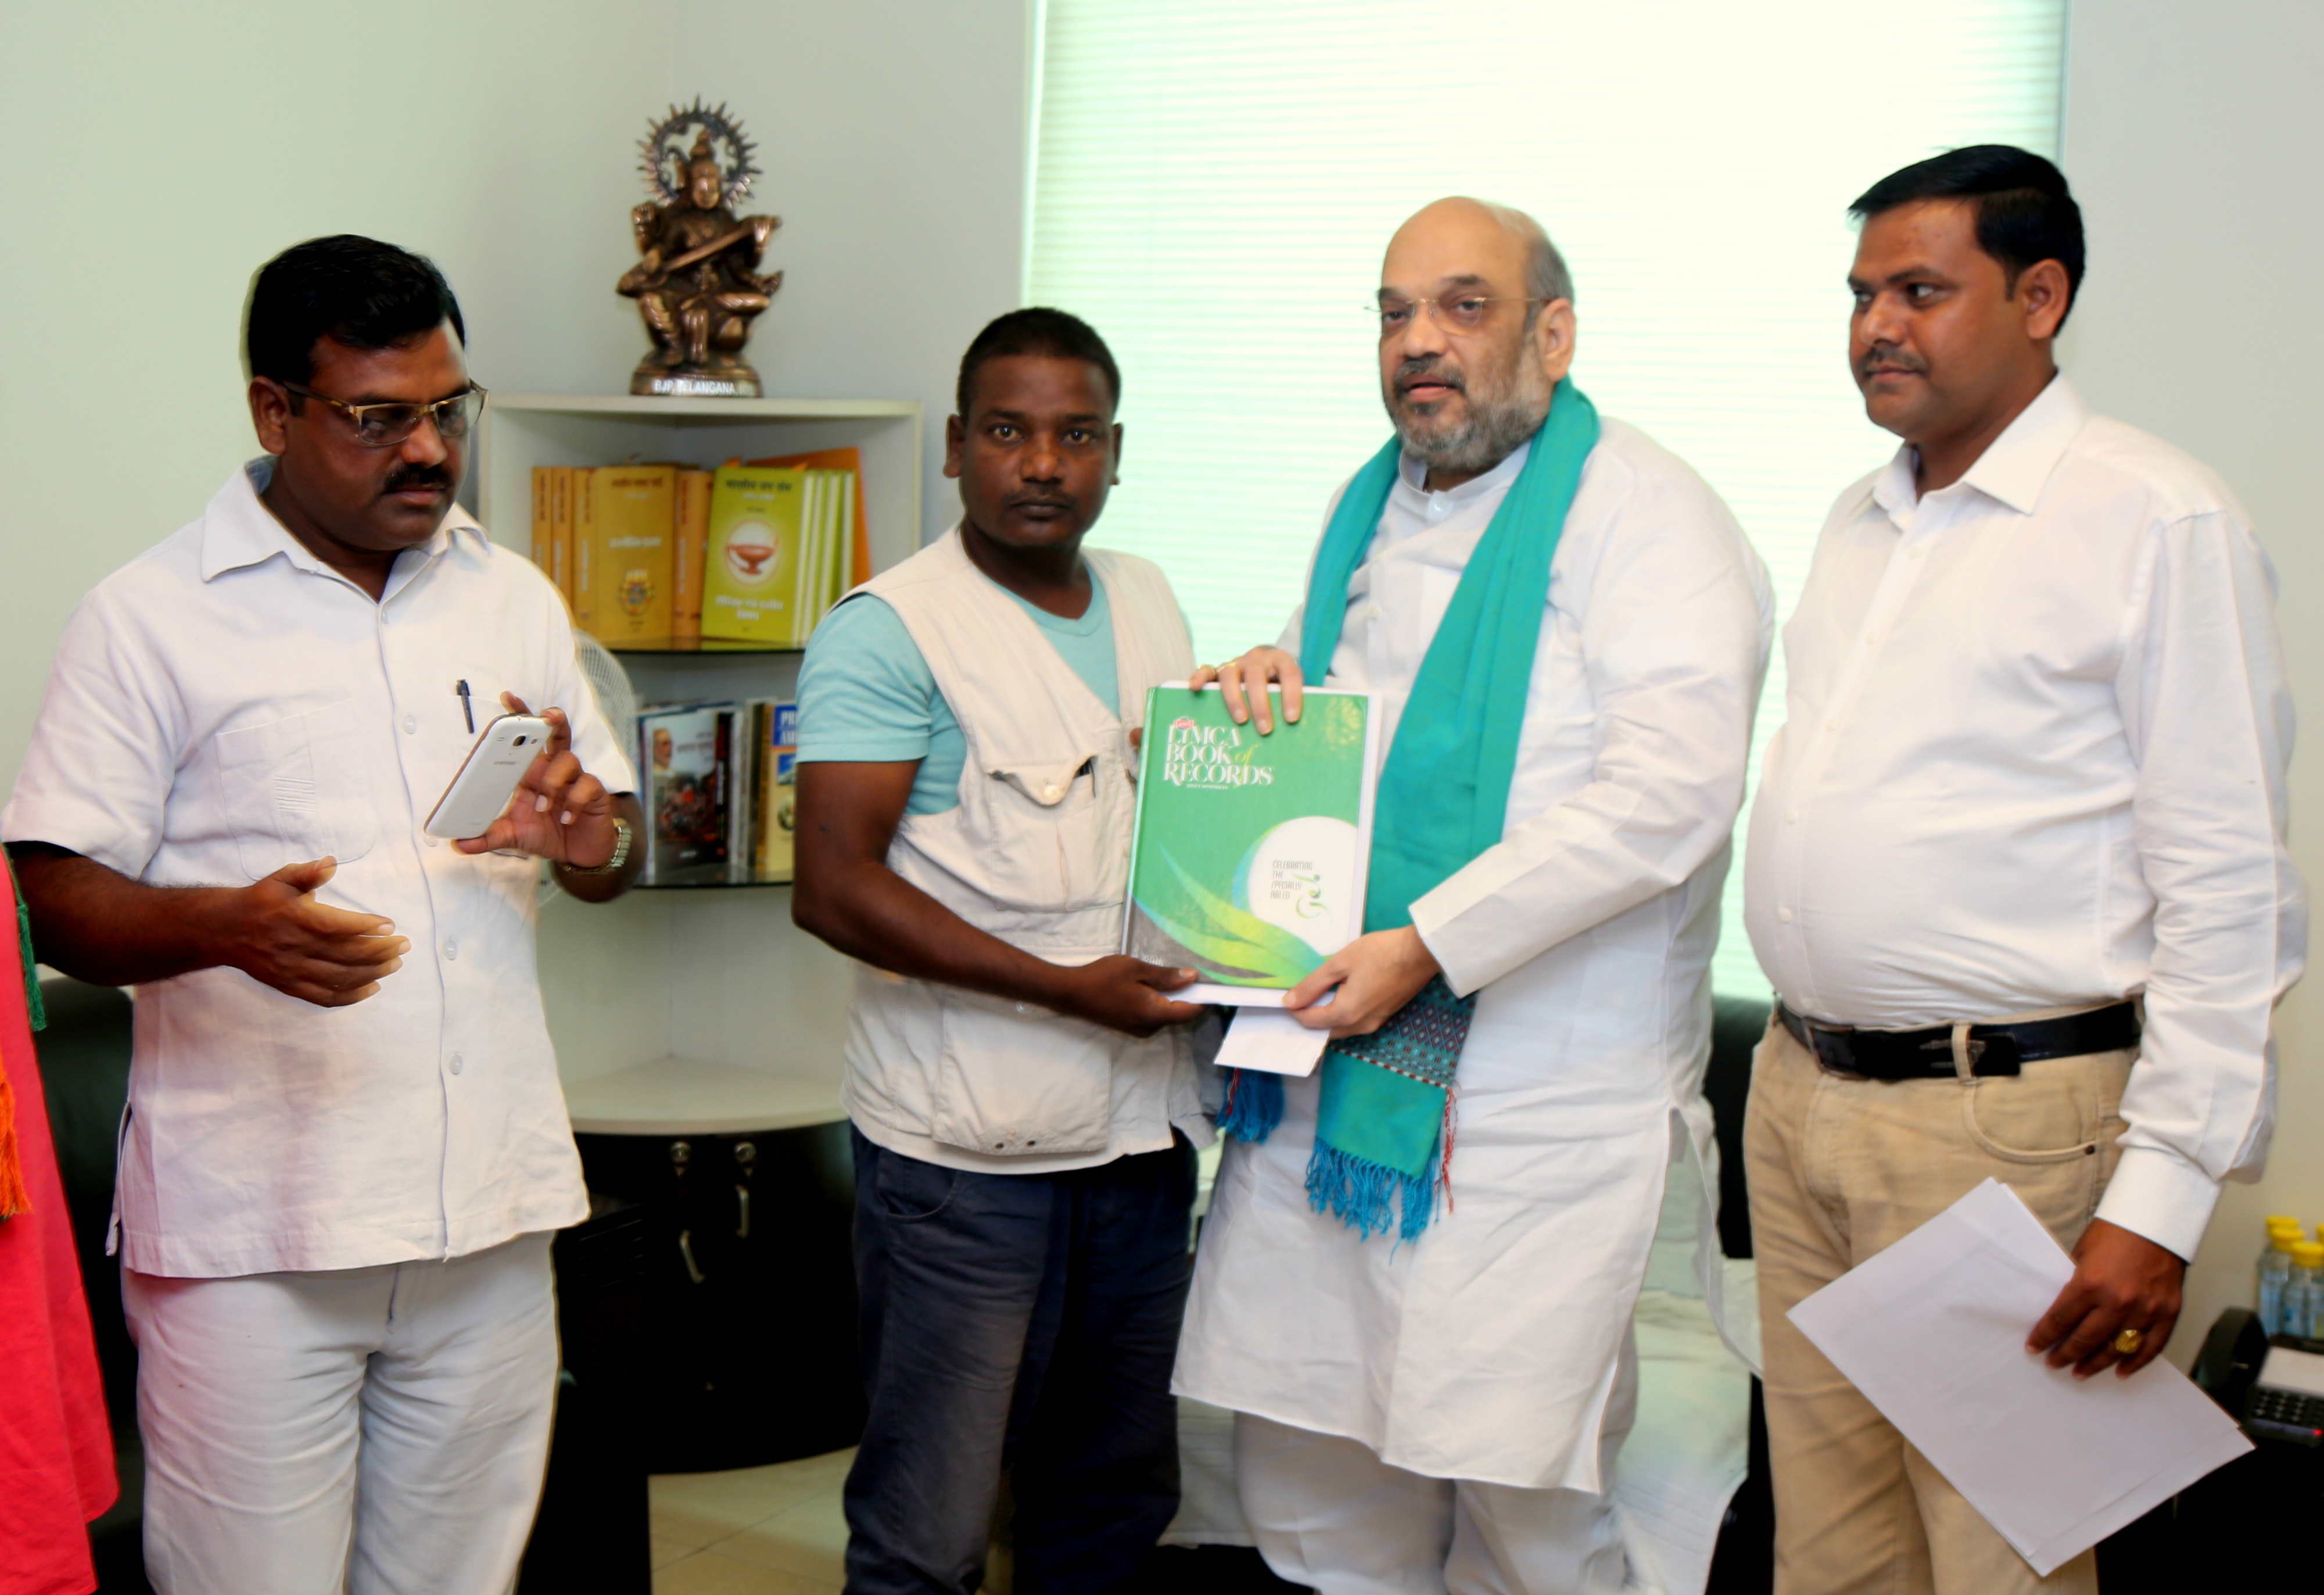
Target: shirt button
column 1791, row 816
column 455, row 1062
column 1052, row 793
column 451, row 949
column 411, row 723
column 433, row 841
column 1784, row 914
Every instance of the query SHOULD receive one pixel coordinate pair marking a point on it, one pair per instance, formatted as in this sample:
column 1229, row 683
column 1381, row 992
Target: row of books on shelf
column 722, row 780
column 656, row 555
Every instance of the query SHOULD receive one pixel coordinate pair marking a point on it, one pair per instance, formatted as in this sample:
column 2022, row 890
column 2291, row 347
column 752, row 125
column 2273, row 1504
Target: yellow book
column 753, row 554
column 581, row 565
column 686, row 561
column 858, row 546
column 622, row 539
column 560, row 529
column 542, row 559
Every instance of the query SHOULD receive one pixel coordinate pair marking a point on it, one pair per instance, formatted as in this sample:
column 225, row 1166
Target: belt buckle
column 1998, row 1054
column 1834, row 1053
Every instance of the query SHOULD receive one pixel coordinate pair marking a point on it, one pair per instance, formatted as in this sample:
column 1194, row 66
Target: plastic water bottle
column 2275, row 1268
column 2303, row 1292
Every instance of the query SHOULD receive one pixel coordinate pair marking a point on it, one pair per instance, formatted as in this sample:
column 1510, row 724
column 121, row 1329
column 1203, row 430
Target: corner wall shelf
column 711, row 978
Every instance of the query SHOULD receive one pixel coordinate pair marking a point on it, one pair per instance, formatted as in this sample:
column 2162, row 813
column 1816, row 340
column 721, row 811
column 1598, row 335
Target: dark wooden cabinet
column 749, row 1292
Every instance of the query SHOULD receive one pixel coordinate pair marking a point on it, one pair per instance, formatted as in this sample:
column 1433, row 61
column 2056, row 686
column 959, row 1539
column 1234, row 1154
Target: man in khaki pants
column 2017, row 866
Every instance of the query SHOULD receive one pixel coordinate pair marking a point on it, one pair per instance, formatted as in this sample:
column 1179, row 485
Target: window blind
column 1213, row 183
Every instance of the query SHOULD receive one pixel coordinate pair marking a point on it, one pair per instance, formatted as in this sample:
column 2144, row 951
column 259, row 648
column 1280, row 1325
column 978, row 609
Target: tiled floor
column 752, row 1531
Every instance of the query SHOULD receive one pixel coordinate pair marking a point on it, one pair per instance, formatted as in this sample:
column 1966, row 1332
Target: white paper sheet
column 1270, row 1039
column 1934, row 1330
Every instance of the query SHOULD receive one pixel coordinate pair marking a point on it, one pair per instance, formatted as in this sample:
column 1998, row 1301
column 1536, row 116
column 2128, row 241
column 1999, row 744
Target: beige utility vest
column 1037, row 855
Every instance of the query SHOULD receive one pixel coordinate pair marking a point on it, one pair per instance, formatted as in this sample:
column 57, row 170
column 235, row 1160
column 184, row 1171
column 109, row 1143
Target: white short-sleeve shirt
column 225, row 705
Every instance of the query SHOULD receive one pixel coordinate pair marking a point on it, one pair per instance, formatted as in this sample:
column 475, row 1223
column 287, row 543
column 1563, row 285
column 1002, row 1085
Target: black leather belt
column 1993, row 1049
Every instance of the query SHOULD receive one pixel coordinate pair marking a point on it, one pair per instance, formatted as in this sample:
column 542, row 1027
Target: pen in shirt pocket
column 468, row 710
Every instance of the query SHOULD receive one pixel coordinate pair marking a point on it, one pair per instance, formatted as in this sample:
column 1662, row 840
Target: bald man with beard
column 1440, row 1408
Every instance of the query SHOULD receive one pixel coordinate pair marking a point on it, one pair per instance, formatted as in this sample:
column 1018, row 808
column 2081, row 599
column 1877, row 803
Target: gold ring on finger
column 2129, row 1341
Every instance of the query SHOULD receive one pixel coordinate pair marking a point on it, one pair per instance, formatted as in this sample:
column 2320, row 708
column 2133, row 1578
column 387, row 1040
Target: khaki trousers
column 1840, row 1169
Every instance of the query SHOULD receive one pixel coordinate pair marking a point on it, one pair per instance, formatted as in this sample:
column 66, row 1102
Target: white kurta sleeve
column 2209, row 716
column 1675, row 628
column 593, row 741
column 105, row 747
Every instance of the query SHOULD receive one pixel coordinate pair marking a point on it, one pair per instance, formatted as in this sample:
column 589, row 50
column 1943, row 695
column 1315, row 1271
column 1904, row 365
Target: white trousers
column 372, row 1431
column 1326, row 1512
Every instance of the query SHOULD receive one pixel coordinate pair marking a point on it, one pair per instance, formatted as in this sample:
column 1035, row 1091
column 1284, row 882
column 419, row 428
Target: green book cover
column 755, row 550
column 1247, row 863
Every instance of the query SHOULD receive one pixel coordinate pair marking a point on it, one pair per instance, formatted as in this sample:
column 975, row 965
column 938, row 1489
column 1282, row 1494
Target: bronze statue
column 694, row 284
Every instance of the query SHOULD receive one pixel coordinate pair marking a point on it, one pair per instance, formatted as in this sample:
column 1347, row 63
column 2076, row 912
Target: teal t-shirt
column 866, row 694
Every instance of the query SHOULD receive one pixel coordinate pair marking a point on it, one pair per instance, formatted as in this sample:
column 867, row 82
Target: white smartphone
column 504, row 750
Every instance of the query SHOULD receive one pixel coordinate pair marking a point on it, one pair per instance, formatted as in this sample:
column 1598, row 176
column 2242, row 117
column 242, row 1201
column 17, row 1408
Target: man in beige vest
column 1026, row 1101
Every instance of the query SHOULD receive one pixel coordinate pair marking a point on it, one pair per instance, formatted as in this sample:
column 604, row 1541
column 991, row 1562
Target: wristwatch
column 621, row 853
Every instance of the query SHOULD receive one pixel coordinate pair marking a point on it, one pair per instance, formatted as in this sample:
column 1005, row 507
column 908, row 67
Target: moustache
column 1432, row 367
column 410, row 476
column 1880, row 360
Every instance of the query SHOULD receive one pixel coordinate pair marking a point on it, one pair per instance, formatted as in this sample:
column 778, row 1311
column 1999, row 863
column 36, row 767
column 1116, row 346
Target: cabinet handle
column 686, row 1251
column 742, row 1205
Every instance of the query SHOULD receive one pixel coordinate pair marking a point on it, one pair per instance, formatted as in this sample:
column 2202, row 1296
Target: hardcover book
column 544, row 556
column 775, row 797
column 623, row 524
column 754, row 555
column 1249, row 859
column 560, row 529
column 686, row 561
column 687, row 756
column 854, row 527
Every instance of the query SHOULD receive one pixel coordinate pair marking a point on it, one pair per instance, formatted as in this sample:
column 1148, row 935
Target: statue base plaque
column 697, row 384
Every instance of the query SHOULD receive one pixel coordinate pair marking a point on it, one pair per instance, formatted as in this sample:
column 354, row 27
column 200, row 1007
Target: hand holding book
column 1243, row 683
column 1365, row 981
column 1252, row 840
column 1125, row 994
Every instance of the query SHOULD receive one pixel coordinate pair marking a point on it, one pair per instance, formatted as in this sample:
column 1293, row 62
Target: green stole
column 1444, row 793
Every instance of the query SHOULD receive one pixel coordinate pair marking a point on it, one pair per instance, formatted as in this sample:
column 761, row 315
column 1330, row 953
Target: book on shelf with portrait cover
column 721, row 783
column 686, row 758
column 1249, row 858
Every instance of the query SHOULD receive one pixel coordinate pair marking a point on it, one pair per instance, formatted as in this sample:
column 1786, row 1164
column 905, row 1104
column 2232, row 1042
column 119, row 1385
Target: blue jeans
column 1020, row 1320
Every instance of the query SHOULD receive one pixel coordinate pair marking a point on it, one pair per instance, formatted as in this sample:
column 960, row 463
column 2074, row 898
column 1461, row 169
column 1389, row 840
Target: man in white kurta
column 1443, row 1415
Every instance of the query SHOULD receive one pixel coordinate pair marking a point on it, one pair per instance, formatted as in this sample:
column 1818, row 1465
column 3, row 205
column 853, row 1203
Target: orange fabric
column 56, row 1450
column 13, row 1199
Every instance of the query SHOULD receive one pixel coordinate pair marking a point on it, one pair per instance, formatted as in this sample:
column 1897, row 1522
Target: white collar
column 238, row 529
column 1413, row 473
column 2013, row 467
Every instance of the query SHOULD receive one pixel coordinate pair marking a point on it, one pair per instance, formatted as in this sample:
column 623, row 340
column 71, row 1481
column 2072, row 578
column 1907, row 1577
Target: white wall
column 158, row 154
column 2193, row 137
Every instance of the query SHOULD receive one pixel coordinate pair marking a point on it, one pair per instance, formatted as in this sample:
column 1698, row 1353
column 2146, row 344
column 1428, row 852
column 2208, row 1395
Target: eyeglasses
column 1455, row 310
column 383, row 426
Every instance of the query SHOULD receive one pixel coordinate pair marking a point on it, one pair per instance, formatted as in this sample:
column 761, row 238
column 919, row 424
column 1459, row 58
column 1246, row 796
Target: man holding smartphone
column 333, row 1225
